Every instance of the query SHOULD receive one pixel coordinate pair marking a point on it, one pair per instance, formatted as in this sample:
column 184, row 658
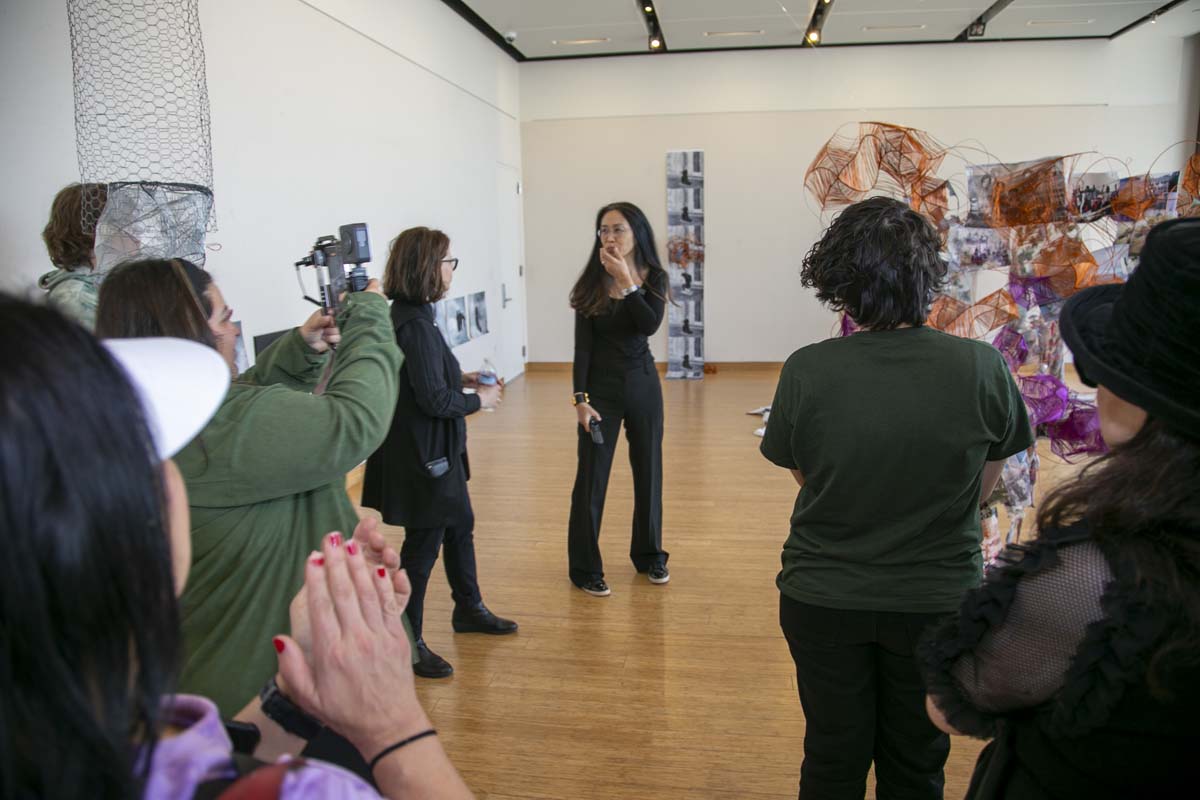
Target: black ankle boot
column 479, row 620
column 429, row 664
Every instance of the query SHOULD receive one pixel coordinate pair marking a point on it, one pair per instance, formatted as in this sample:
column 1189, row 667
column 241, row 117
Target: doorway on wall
column 510, row 252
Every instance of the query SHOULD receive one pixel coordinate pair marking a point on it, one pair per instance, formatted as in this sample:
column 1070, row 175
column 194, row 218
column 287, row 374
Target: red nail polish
column 381, row 572
column 319, row 561
column 335, row 539
column 278, row 644
column 352, row 549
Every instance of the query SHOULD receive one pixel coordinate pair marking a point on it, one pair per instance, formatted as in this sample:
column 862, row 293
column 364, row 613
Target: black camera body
column 339, row 263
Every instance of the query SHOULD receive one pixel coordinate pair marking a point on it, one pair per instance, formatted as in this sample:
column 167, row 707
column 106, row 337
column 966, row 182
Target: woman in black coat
column 1080, row 655
column 418, row 477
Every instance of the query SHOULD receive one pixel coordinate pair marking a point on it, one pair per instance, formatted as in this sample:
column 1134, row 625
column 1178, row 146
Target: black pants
column 420, row 550
column 632, row 396
column 863, row 701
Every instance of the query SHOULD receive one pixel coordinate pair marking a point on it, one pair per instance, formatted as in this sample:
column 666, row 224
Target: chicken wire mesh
column 141, row 108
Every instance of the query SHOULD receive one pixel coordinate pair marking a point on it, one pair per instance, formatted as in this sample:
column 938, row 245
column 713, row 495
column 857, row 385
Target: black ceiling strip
column 816, row 22
column 987, row 16
column 1147, row 18
column 653, row 27
column 481, row 25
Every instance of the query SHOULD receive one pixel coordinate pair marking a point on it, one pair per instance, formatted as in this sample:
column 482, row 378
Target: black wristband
column 393, row 748
column 281, row 710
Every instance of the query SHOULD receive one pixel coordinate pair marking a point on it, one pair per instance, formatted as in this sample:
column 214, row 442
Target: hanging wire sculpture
column 1052, row 226
column 142, row 127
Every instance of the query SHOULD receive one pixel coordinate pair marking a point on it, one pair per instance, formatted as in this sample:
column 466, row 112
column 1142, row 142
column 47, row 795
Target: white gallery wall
column 595, row 131
column 390, row 112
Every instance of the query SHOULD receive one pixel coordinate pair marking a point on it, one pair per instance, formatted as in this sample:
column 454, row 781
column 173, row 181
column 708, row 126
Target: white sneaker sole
column 660, row 581
column 594, row 593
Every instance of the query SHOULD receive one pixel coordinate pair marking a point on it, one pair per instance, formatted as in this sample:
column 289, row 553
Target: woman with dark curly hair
column 893, row 435
column 1080, row 657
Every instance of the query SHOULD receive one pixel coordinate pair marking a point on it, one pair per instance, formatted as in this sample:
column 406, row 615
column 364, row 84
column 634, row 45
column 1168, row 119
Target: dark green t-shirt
column 890, row 430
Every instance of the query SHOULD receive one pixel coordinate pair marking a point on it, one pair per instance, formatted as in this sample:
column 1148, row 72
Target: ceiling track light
column 812, row 35
column 655, row 41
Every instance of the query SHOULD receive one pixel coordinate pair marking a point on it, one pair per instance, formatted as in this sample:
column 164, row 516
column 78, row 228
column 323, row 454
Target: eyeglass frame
column 617, row 230
column 453, row 262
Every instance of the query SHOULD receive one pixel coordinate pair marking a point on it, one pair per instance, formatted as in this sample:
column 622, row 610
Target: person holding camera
column 266, row 476
column 418, row 476
column 619, row 302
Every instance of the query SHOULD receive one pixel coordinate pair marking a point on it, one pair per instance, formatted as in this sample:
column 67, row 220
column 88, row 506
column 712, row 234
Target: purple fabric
column 1030, row 291
column 847, row 325
column 1078, row 433
column 201, row 752
column 1046, row 397
column 1012, row 346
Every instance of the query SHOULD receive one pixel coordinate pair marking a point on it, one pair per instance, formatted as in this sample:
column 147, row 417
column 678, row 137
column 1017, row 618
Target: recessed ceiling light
column 1036, row 23
column 580, row 41
column 892, row 28
column 814, row 36
column 734, row 33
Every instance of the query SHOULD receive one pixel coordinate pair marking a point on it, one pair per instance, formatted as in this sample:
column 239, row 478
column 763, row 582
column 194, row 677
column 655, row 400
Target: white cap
column 181, row 385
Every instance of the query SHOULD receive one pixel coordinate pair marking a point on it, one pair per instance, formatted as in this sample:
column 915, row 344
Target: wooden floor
column 680, row 691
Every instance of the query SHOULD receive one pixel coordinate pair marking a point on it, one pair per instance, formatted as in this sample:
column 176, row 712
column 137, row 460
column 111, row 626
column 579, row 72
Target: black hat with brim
column 1141, row 340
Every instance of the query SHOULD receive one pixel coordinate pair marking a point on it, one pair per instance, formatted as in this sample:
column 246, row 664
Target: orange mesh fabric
column 1189, row 188
column 972, row 321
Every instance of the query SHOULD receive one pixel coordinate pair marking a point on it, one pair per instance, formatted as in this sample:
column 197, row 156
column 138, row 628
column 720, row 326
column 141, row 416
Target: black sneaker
column 597, row 588
column 429, row 664
column 658, row 574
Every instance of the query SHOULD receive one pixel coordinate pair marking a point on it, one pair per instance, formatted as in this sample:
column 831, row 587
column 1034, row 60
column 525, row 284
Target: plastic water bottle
column 487, row 373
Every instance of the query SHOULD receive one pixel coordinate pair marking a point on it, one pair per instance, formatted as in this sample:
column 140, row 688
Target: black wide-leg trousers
column 633, row 397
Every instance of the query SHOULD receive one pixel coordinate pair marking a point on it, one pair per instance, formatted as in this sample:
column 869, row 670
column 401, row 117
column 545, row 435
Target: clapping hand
column 357, row 676
column 375, row 549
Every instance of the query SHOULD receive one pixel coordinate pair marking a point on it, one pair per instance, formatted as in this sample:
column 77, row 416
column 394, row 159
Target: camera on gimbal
column 339, row 264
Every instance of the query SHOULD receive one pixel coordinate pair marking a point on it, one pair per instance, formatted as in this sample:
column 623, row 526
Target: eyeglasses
column 618, row 230
column 453, row 262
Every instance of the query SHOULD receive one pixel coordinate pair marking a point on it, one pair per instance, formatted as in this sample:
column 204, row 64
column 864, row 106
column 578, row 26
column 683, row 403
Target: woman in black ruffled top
column 1080, row 655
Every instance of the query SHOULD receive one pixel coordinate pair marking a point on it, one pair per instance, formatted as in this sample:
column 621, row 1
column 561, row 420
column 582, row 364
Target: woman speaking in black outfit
column 418, row 476
column 619, row 301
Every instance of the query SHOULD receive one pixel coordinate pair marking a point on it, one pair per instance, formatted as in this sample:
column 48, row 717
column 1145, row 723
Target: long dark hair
column 91, row 630
column 155, row 297
column 590, row 294
column 879, row 263
column 1142, row 500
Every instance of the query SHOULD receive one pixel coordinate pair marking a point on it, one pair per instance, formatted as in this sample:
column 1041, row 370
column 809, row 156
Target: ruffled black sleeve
column 1012, row 643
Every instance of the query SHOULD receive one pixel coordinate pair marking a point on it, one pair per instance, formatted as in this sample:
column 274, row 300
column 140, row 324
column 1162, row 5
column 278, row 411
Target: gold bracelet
column 576, row 401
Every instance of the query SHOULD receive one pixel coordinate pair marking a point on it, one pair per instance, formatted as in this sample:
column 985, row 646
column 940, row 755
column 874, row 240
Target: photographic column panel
column 685, row 252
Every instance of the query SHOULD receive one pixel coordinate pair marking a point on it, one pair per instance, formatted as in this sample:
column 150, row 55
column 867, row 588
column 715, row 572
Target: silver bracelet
column 629, row 290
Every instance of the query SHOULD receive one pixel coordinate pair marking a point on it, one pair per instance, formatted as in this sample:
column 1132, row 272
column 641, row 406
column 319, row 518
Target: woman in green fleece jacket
column 266, row 477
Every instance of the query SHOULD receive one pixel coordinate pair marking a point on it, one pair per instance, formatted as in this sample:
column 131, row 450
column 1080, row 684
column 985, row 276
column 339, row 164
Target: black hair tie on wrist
column 393, row 748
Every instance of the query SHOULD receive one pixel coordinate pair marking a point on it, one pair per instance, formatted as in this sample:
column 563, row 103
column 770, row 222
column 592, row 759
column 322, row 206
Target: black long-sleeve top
column 618, row 339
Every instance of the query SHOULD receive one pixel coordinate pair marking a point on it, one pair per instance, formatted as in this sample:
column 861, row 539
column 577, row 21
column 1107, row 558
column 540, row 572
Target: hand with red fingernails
column 356, row 676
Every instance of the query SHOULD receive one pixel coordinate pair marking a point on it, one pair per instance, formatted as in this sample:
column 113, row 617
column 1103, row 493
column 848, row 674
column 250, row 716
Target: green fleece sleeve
column 272, row 441
column 287, row 361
